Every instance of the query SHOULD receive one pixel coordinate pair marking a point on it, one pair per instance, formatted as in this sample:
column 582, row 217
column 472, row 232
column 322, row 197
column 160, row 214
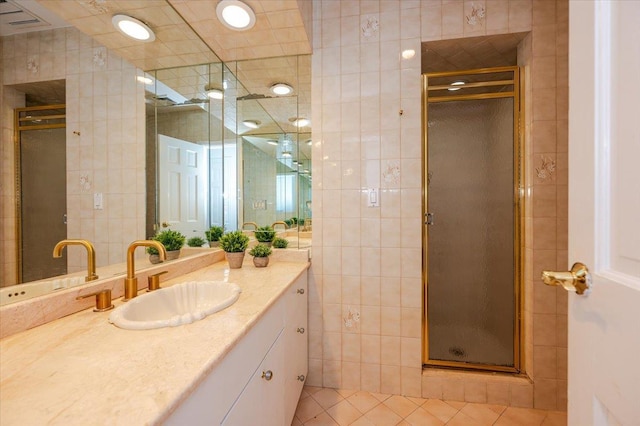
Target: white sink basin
column 176, row 305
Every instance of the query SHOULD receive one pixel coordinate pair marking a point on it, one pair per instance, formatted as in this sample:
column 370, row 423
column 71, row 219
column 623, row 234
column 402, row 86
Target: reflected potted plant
column 234, row 244
column 260, row 253
column 280, row 243
column 195, row 242
column 213, row 235
column 172, row 242
column 265, row 235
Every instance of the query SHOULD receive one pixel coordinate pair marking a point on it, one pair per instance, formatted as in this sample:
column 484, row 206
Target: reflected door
column 471, row 233
column 182, row 187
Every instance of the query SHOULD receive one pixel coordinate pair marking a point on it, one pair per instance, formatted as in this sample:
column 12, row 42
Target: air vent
column 15, row 18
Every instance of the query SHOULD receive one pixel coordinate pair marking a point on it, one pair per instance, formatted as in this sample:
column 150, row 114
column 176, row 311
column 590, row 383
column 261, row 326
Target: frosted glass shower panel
column 470, row 266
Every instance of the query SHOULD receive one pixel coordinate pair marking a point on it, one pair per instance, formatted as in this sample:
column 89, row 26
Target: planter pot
column 261, row 262
column 214, row 243
column 171, row 255
column 235, row 259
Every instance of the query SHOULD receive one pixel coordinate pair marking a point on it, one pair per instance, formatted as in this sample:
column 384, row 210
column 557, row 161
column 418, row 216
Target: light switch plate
column 97, row 201
column 373, row 197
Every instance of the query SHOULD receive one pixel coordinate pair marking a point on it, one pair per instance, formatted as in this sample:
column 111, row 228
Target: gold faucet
column 131, row 282
column 91, row 255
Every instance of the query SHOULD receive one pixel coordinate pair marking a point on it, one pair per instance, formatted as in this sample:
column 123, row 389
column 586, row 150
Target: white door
column 604, row 211
column 182, row 188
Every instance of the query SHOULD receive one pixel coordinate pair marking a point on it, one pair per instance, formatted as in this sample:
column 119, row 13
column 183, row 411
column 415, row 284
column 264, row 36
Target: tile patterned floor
column 337, row 407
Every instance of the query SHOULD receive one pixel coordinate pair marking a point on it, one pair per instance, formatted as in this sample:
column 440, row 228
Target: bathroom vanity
column 243, row 365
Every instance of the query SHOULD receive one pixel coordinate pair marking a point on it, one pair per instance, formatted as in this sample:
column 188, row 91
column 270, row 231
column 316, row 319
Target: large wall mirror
column 225, row 149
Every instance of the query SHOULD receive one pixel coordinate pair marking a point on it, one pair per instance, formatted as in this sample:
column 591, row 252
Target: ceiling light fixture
column 272, row 142
column 235, row 15
column 309, row 142
column 213, row 92
column 281, row 89
column 286, row 154
column 408, row 54
column 146, row 80
column 299, row 121
column 132, row 27
column 252, row 124
column 459, row 85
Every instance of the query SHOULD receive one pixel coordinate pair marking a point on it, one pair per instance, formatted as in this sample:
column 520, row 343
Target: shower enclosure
column 41, row 184
column 472, row 219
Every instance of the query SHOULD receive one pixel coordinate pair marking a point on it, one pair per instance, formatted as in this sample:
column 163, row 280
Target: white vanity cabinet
column 295, row 336
column 260, row 380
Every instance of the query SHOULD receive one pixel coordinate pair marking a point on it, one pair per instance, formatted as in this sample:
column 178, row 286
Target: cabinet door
column 260, row 403
column 296, row 346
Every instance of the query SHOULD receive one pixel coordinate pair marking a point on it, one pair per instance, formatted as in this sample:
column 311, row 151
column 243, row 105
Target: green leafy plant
column 171, row 240
column 214, row 233
column 234, row 242
column 265, row 234
column 260, row 250
column 195, row 242
column 280, row 243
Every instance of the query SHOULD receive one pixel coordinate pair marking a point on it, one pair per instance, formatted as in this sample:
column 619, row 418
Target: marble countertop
column 81, row 369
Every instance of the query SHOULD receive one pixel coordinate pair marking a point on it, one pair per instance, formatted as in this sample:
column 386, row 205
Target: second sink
column 176, row 305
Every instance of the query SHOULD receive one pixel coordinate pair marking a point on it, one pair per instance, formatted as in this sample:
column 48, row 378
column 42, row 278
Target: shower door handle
column 428, row 218
column 577, row 280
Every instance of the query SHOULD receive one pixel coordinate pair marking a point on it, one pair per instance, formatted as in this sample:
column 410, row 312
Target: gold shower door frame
column 518, row 105
column 21, row 124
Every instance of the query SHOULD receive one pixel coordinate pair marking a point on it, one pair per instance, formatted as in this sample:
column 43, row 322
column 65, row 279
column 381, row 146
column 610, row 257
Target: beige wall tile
column 545, row 394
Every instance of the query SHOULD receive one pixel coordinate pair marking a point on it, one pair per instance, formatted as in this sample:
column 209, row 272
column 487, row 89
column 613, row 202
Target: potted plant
column 234, row 244
column 172, row 242
column 195, row 242
column 260, row 253
column 265, row 234
column 213, row 235
column 280, row 243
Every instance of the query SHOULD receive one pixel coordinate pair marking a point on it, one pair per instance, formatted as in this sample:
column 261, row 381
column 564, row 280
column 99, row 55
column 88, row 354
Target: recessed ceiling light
column 213, row 92
column 252, row 124
column 132, row 27
column 286, row 154
column 272, row 142
column 459, row 85
column 299, row 121
column 309, row 142
column 281, row 89
column 236, row 15
column 146, row 80
column 408, row 54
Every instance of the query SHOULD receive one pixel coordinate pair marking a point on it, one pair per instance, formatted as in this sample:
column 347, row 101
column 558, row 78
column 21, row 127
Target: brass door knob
column 577, row 280
column 267, row 375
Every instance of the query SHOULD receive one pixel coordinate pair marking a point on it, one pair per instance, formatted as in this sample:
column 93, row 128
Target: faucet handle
column 103, row 300
column 154, row 281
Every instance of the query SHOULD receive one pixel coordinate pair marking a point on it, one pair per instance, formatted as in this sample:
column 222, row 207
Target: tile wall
column 105, row 140
column 366, row 287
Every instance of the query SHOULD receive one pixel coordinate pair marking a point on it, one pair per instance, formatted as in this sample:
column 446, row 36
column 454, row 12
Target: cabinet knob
column 301, row 377
column 300, row 330
column 267, row 375
column 300, row 291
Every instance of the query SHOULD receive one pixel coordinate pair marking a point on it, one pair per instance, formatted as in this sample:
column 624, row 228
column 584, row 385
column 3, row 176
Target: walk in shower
column 472, row 219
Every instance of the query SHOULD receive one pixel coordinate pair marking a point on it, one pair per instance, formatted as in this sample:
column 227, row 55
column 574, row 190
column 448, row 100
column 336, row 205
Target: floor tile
column 521, row 417
column 400, row 405
column 322, row 419
column 421, row 417
column 440, row 409
column 343, row 407
column 381, row 415
column 483, row 413
column 327, row 397
column 307, row 409
column 344, row 413
column 461, row 419
column 363, row 401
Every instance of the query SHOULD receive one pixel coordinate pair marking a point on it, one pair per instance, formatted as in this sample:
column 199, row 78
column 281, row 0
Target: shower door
column 471, row 220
